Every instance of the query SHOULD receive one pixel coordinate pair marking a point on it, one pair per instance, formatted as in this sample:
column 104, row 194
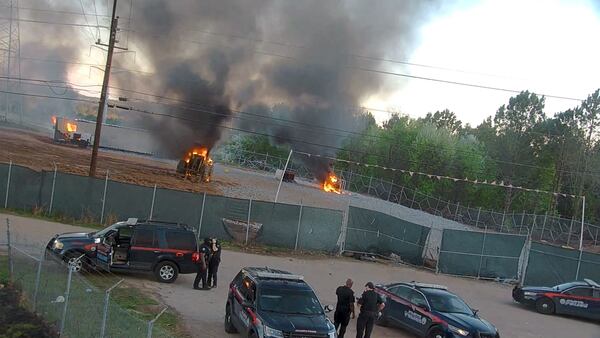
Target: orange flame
column 202, row 151
column 71, row 127
column 53, row 119
column 332, row 184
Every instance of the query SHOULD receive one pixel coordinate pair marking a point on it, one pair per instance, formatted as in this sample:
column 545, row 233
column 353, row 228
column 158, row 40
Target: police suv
column 268, row 303
column 580, row 299
column 431, row 311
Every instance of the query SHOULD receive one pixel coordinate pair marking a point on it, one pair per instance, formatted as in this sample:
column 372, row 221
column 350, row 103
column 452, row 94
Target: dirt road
column 203, row 310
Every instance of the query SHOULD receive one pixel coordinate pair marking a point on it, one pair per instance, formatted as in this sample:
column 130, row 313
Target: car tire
column 166, row 272
column 545, row 306
column 436, row 332
column 229, row 328
column 71, row 259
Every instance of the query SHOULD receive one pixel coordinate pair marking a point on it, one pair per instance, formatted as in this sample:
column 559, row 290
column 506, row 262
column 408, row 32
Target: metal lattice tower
column 10, row 61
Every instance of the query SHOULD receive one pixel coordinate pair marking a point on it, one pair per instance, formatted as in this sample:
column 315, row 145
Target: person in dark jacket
column 213, row 263
column 203, row 265
column 344, row 307
column 370, row 306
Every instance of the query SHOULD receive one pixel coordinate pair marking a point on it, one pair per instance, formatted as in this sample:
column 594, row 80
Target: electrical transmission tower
column 10, row 61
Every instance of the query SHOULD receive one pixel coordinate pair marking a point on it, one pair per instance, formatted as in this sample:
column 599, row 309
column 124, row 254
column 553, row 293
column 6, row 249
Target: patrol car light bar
column 273, row 275
column 131, row 221
column 591, row 283
column 429, row 286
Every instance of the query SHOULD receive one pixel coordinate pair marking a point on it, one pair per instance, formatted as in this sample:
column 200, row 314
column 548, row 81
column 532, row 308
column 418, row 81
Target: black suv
column 165, row 248
column 267, row 303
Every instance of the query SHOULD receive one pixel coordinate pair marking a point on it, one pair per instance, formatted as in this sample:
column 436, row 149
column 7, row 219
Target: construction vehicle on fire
column 65, row 131
column 196, row 165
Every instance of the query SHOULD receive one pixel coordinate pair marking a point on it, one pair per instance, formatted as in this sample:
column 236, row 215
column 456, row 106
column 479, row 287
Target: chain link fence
column 76, row 304
column 549, row 228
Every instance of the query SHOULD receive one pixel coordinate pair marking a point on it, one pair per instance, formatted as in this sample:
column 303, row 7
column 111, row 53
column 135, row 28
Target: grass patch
column 39, row 213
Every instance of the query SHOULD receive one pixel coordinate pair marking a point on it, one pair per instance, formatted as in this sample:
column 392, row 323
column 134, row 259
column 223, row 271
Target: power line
column 56, row 23
column 55, row 11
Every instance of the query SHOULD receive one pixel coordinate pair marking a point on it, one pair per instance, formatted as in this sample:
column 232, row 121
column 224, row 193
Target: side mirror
column 328, row 308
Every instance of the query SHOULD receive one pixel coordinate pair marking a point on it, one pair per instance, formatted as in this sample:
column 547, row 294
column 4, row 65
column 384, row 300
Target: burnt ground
column 16, row 321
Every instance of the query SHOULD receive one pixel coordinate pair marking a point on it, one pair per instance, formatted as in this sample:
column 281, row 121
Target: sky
column 548, row 47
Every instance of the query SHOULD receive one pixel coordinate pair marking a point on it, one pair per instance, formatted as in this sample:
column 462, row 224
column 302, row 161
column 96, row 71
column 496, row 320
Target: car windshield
column 103, row 232
column 448, row 302
column 289, row 301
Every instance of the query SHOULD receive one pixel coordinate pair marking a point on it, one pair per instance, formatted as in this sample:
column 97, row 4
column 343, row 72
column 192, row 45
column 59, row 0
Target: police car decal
column 576, row 303
column 415, row 317
column 244, row 317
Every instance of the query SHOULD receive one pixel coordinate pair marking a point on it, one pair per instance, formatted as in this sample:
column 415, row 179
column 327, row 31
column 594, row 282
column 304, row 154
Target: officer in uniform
column 203, row 266
column 370, row 306
column 213, row 263
column 344, row 307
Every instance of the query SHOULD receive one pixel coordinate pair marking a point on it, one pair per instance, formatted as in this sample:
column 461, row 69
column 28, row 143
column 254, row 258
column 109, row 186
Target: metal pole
column 369, row 188
column 104, row 198
column 104, row 94
column 38, row 277
column 248, row 220
column 105, row 312
column 283, row 174
column 52, row 193
column 151, row 323
column 482, row 251
column 201, row 214
column 152, row 205
column 570, row 231
column 8, row 184
column 456, row 213
column 65, row 308
column 477, row 221
column 503, row 218
column 522, row 221
column 582, row 223
column 413, row 199
column 298, row 230
column 544, row 226
column 10, row 262
column 390, row 192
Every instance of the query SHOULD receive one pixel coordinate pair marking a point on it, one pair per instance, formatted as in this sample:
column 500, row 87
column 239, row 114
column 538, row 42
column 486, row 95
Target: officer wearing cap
column 370, row 305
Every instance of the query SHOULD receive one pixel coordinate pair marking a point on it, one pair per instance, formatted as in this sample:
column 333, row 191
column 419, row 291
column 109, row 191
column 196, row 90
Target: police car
column 268, row 303
column 431, row 311
column 580, row 298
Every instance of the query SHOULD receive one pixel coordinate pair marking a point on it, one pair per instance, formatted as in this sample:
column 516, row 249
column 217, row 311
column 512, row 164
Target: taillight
column 195, row 257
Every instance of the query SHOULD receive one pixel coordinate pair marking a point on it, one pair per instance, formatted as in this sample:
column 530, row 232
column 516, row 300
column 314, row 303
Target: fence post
column 152, row 205
column 105, row 312
column 482, row 251
column 66, row 307
column 104, row 198
column 477, row 221
column 413, row 199
column 544, row 226
column 52, row 193
column 38, row 277
column 7, row 185
column 578, row 264
column 391, row 188
column 248, row 220
column 503, row 218
column 298, row 230
column 570, row 229
column 10, row 261
column 151, row 323
column 522, row 221
column 201, row 214
column 369, row 188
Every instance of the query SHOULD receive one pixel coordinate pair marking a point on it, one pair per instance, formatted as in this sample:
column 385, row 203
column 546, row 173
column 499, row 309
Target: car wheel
column 229, row 328
column 545, row 306
column 73, row 261
column 436, row 332
column 166, row 272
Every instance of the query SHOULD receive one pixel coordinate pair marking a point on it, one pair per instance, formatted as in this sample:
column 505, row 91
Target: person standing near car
column 344, row 307
column 203, row 265
column 213, row 263
column 370, row 305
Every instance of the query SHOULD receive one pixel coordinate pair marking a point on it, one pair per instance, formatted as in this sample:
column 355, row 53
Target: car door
column 417, row 315
column 595, row 304
column 577, row 301
column 247, row 296
column 398, row 305
column 144, row 249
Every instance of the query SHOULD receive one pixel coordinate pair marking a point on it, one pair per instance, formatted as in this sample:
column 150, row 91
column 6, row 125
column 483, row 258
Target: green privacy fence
column 375, row 232
column 480, row 254
column 550, row 265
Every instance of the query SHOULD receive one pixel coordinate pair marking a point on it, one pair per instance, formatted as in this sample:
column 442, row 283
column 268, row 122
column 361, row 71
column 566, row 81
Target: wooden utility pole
column 103, row 95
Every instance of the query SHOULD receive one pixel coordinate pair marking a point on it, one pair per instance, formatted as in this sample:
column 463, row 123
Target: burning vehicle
column 332, row 183
column 65, row 131
column 196, row 165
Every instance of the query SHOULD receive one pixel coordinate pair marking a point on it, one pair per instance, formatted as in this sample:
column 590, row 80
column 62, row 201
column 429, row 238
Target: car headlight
column 458, row 330
column 58, row 245
column 272, row 333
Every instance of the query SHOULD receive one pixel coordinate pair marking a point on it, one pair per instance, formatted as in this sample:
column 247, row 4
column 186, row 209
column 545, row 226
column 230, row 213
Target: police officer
column 370, row 305
column 213, row 263
column 203, row 266
column 344, row 307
